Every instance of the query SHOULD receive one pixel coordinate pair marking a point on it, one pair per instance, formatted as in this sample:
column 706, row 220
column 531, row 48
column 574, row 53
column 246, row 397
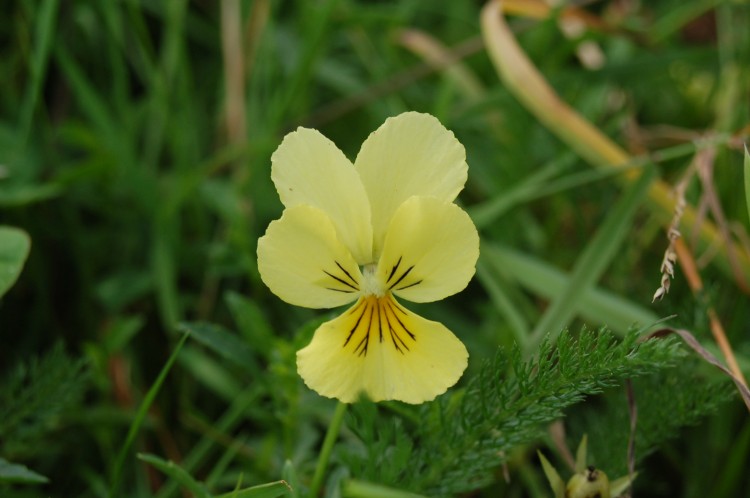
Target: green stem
column 325, row 452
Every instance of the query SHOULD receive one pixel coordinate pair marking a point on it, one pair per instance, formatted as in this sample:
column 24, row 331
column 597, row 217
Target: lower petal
column 380, row 349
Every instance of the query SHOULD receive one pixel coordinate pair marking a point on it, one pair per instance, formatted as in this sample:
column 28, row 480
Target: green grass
column 130, row 209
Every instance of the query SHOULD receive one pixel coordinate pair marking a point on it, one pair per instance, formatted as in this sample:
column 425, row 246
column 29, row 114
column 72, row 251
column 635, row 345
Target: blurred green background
column 135, row 143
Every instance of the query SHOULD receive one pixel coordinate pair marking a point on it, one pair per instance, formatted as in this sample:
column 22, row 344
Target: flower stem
column 325, row 452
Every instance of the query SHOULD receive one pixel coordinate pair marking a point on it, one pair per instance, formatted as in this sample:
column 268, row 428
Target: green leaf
column 177, row 473
column 269, row 490
column 14, row 249
column 22, row 195
column 14, row 472
column 210, row 372
column 251, row 321
column 221, row 341
column 747, row 179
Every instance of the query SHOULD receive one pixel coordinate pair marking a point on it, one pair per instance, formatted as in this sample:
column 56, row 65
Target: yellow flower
column 382, row 228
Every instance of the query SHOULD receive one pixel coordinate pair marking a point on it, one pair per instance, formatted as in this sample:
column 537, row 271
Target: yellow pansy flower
column 383, row 227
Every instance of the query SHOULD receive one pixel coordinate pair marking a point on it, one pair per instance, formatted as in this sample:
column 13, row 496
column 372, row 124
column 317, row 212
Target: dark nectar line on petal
column 393, row 334
column 356, row 325
column 403, row 327
column 398, row 307
column 393, row 270
column 342, row 281
column 403, row 276
column 378, row 315
column 365, row 341
column 409, row 285
column 396, row 327
column 395, row 338
column 380, row 321
column 352, row 279
column 345, row 291
column 357, row 306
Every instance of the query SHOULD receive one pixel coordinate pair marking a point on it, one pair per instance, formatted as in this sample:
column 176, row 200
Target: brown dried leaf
column 703, row 352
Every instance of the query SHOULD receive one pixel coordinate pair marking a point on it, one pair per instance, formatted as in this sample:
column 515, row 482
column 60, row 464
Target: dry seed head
column 673, row 233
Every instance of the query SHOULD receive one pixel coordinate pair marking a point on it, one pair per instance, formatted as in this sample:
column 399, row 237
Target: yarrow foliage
column 365, row 233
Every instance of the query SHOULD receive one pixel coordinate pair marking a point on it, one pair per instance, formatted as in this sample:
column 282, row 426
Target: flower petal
column 430, row 251
column 410, row 154
column 307, row 168
column 379, row 348
column 302, row 261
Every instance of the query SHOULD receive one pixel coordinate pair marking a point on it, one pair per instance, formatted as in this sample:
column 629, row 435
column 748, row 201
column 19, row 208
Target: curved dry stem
column 523, row 80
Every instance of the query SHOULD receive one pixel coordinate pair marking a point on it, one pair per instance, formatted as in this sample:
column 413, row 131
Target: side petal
column 302, row 261
column 430, row 251
column 410, row 154
column 307, row 168
column 380, row 349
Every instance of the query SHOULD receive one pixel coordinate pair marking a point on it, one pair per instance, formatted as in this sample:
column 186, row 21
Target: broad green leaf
column 177, row 473
column 14, row 249
column 251, row 321
column 210, row 372
column 226, row 344
column 269, row 490
column 121, row 332
column 22, row 195
column 14, row 472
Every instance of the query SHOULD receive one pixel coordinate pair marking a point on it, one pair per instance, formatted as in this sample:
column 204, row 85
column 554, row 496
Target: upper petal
column 381, row 349
column 410, row 154
column 301, row 260
column 307, row 168
column 430, row 251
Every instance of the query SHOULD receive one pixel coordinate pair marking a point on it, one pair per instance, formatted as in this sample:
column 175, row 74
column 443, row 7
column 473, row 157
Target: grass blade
column 141, row 415
column 228, row 422
column 177, row 473
column 269, row 490
column 595, row 305
column 45, row 29
column 593, row 261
